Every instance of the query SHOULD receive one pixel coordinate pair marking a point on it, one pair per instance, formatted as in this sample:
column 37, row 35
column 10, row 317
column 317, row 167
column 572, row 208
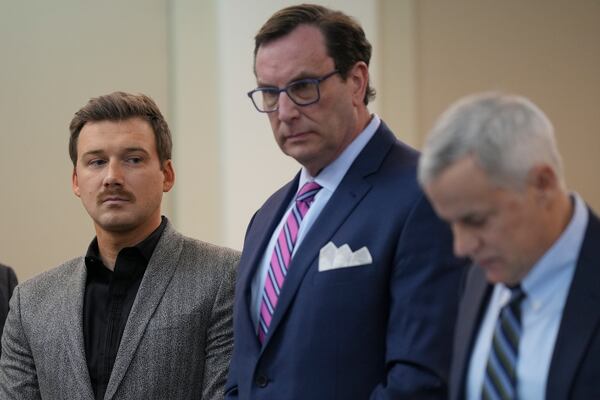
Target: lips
column 295, row 135
column 487, row 262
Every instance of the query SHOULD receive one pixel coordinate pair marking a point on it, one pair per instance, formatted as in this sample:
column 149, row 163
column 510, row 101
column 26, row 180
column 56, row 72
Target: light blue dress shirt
column 329, row 178
column 546, row 286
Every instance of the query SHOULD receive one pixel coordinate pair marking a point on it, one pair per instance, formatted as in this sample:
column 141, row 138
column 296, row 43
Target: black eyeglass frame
column 276, row 90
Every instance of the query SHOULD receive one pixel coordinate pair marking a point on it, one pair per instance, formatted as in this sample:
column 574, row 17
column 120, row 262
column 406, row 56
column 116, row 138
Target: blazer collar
column 73, row 304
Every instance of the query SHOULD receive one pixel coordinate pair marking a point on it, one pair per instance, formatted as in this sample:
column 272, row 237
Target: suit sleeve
column 18, row 377
column 12, row 281
column 219, row 343
column 424, row 295
column 8, row 282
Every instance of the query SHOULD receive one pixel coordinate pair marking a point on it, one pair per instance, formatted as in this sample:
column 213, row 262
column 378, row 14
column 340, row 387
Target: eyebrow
column 126, row 150
column 298, row 77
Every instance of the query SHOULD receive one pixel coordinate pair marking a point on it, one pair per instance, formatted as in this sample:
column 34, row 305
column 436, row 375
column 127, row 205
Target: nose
column 288, row 110
column 114, row 174
column 466, row 243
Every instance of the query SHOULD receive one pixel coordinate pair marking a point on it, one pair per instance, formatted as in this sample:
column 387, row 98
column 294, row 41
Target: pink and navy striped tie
column 282, row 255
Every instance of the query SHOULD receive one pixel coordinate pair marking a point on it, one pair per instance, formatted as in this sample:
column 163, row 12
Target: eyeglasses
column 303, row 93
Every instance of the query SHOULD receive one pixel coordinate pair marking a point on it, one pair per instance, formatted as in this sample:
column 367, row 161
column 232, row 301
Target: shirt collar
column 330, row 177
column 145, row 248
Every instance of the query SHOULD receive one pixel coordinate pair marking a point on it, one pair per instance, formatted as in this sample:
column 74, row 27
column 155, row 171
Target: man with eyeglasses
column 347, row 287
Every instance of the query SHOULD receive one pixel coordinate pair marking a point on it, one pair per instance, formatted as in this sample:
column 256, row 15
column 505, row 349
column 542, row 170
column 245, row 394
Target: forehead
column 128, row 132
column 463, row 186
column 302, row 51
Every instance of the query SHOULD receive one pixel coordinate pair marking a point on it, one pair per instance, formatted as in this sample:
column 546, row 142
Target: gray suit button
column 262, row 381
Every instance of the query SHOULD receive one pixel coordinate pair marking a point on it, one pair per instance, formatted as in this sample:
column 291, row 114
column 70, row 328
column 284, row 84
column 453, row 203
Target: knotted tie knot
column 308, row 192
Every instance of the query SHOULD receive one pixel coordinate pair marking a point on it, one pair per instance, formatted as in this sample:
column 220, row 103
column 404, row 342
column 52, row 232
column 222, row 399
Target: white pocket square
column 331, row 257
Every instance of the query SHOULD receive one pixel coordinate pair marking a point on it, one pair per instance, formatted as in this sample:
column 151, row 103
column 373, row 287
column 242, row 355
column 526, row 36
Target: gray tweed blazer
column 176, row 344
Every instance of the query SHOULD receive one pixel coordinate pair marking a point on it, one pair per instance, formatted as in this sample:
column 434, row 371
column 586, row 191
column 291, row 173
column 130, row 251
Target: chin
column 117, row 225
column 495, row 275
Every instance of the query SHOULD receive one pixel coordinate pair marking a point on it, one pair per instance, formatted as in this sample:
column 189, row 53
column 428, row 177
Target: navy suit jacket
column 575, row 365
column 382, row 330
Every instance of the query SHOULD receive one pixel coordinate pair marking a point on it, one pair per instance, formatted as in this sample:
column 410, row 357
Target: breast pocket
column 344, row 276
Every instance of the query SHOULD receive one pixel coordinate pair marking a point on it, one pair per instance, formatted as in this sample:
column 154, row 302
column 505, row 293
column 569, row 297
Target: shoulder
column 53, row 280
column 389, row 162
column 202, row 270
column 402, row 158
column 199, row 250
column 197, row 254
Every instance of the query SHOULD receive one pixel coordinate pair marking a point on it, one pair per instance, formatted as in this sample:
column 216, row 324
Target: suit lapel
column 156, row 279
column 261, row 229
column 73, row 305
column 580, row 318
column 344, row 200
column 472, row 305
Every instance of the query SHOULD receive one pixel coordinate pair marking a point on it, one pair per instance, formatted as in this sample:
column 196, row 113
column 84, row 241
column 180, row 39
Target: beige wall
column 194, row 57
column 54, row 56
column 547, row 50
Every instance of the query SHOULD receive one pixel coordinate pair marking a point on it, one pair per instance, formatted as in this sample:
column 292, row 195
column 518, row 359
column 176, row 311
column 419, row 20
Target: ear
column 169, row 173
column 543, row 180
column 358, row 76
column 75, row 183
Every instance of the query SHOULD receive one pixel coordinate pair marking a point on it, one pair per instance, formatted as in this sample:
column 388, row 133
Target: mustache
column 115, row 194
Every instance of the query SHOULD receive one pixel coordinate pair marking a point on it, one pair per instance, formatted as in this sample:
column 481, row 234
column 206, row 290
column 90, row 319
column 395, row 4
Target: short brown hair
column 119, row 106
column 344, row 37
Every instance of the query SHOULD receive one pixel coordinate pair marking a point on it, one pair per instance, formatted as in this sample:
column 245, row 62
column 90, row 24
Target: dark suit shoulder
column 389, row 165
column 8, row 279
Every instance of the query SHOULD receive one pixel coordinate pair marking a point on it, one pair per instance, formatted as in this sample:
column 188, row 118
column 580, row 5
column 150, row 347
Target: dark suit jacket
column 177, row 340
column 575, row 366
column 382, row 330
column 8, row 281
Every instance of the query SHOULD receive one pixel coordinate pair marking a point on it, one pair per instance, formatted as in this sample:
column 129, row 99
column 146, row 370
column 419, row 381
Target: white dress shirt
column 546, row 286
column 329, row 178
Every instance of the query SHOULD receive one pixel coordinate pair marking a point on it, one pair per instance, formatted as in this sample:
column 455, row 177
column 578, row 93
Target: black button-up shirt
column 108, row 299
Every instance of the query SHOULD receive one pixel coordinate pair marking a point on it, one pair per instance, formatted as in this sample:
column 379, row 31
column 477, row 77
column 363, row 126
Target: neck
column 110, row 243
column 565, row 208
column 363, row 118
column 558, row 215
